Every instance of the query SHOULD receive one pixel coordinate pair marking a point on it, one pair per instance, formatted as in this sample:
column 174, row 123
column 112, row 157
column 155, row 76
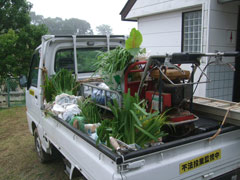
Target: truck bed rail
column 217, row 109
column 101, row 96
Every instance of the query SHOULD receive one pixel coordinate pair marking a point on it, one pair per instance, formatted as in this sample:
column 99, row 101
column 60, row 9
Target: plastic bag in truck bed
column 65, row 106
column 102, row 97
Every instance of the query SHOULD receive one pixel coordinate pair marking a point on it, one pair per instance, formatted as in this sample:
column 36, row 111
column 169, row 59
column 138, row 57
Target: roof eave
column 126, row 9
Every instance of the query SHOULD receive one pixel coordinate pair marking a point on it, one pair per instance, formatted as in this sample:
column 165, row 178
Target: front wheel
column 42, row 155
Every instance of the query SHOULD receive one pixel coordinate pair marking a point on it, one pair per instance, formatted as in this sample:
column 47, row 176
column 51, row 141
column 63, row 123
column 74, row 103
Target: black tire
column 42, row 155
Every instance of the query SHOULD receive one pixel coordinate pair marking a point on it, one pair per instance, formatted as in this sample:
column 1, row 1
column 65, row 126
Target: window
column 33, row 74
column 64, row 60
column 86, row 57
column 192, row 23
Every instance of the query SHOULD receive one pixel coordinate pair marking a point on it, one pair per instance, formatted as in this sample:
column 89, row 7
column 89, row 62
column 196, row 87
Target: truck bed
column 170, row 155
column 172, row 159
column 204, row 129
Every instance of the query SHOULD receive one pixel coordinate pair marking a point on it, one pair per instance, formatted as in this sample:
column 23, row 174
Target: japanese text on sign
column 200, row 161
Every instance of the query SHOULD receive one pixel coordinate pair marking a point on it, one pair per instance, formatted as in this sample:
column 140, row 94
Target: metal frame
column 105, row 91
column 75, row 55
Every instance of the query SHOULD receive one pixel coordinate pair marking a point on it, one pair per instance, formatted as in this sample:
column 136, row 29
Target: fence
column 11, row 94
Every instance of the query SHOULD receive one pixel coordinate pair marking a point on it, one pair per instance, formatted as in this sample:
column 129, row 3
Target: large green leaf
column 146, row 133
column 134, row 40
column 134, row 51
column 136, row 118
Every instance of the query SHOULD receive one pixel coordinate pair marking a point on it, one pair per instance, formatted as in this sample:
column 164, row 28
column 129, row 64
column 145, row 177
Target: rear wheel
column 42, row 155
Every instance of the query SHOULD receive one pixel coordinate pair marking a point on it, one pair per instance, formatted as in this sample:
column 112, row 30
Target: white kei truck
column 189, row 157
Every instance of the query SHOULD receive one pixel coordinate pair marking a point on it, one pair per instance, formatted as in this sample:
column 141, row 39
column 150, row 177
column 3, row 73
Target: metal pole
column 192, row 79
column 75, row 56
column 108, row 42
column 8, row 92
column 160, row 92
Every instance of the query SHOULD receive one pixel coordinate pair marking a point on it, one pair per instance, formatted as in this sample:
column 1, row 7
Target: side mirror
column 23, row 81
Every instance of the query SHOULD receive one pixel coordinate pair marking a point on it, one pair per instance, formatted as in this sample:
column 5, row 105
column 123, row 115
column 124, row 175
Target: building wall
column 150, row 7
column 162, row 33
column 222, row 37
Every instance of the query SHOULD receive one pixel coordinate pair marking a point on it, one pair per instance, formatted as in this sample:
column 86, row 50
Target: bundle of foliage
column 113, row 61
column 90, row 111
column 131, row 123
column 149, row 128
column 62, row 82
column 111, row 65
column 104, row 132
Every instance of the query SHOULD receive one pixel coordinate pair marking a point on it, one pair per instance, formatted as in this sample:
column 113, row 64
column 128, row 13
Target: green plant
column 104, row 131
column 151, row 125
column 62, row 82
column 90, row 111
column 48, row 89
column 134, row 42
column 132, row 124
column 113, row 61
column 123, row 121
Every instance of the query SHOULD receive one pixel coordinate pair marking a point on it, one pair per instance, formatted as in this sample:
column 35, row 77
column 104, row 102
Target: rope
column 224, row 119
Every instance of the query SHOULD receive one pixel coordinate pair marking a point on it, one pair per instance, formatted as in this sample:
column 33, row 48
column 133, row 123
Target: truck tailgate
column 200, row 159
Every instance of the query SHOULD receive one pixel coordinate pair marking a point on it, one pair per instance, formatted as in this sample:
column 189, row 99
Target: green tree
column 28, row 39
column 14, row 14
column 104, row 29
column 76, row 26
column 59, row 26
column 18, row 38
column 36, row 19
column 8, row 42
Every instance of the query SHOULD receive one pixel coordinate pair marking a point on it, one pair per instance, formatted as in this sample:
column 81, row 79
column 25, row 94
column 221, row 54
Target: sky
column 96, row 12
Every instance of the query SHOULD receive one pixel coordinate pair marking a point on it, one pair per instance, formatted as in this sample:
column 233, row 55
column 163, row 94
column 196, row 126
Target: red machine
column 133, row 84
column 153, row 99
column 173, row 97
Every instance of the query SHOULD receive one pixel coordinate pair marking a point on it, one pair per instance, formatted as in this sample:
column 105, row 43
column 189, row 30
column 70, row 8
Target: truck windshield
column 86, row 57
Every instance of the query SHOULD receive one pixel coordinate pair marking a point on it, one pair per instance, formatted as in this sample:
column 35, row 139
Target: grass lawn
column 18, row 159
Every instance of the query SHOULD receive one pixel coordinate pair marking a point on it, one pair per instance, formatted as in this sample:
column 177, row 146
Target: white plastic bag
column 65, row 106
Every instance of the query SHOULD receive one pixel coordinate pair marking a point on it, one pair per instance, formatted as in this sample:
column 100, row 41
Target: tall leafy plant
column 111, row 65
column 90, row 111
column 151, row 124
column 113, row 61
column 131, row 123
column 123, row 121
column 62, row 82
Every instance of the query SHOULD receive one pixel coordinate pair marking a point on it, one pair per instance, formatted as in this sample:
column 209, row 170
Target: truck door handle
column 36, row 96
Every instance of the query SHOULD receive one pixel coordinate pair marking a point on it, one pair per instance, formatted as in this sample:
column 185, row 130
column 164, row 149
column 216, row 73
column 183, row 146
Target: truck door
column 33, row 90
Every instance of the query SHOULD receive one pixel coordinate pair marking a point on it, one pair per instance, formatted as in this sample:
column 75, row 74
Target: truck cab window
column 33, row 74
column 86, row 58
column 64, row 59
